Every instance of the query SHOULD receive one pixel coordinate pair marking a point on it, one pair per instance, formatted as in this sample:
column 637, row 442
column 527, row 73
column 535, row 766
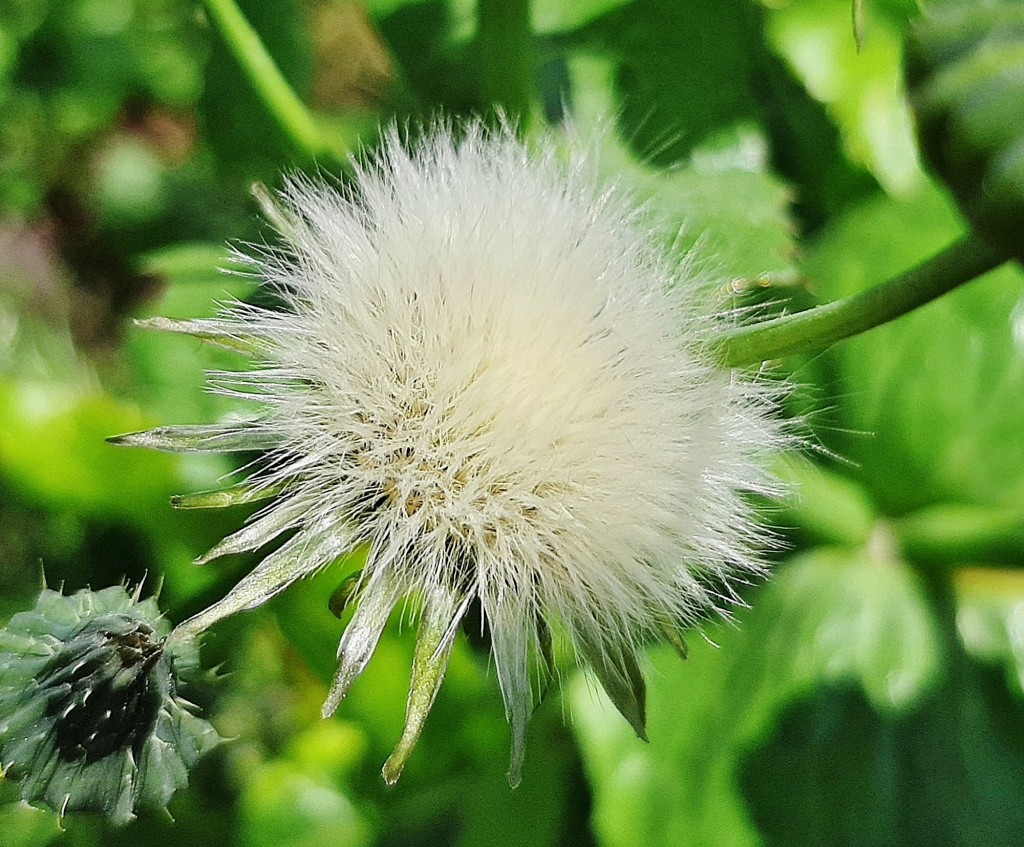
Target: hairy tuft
column 491, row 372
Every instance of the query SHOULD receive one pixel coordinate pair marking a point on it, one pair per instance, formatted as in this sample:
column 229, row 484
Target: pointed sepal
column 229, row 437
column 342, row 596
column 441, row 617
column 361, row 636
column 255, row 534
column 235, row 495
column 223, row 333
column 618, row 671
column 674, row 636
column 547, row 656
column 310, row 550
column 511, row 659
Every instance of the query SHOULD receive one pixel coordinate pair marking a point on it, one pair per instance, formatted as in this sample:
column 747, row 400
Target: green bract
column 91, row 717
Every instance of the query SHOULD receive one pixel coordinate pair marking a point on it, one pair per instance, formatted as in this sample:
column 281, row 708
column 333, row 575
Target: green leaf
column 24, row 825
column 930, row 404
column 293, row 772
column 678, row 789
column 733, row 209
column 807, row 148
column 725, row 200
column 285, row 805
column 855, row 615
column 950, row 773
column 952, row 534
column 989, row 620
column 826, row 506
column 684, row 71
column 52, row 449
column 195, row 263
column 554, row 15
column 862, row 90
column 828, row 617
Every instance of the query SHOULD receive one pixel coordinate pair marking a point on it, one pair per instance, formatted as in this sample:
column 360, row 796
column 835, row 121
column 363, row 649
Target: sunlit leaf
column 932, row 402
column 829, row 617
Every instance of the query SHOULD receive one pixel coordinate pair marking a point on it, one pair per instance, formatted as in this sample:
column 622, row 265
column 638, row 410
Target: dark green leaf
column 834, row 773
column 684, row 72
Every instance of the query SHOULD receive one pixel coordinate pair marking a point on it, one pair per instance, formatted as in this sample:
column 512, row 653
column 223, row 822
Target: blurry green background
column 870, row 695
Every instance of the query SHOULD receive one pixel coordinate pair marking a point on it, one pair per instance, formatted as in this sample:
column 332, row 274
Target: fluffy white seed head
column 490, row 370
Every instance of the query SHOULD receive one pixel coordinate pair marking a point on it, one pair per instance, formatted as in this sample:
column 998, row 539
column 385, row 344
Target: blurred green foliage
column 870, row 695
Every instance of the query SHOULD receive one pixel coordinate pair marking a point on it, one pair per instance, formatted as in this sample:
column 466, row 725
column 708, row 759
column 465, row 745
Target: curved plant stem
column 270, row 85
column 824, row 325
column 505, row 42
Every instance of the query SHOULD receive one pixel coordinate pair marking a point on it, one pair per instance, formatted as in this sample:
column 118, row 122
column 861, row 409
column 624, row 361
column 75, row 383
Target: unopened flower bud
column 91, row 714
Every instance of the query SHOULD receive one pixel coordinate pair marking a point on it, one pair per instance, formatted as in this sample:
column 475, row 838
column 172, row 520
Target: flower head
column 489, row 373
column 91, row 715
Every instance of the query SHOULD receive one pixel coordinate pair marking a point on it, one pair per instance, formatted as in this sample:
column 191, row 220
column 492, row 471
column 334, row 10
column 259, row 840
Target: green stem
column 272, row 88
column 824, row 325
column 505, row 41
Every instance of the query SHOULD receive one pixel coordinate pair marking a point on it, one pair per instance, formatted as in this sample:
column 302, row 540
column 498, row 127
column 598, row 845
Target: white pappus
column 491, row 372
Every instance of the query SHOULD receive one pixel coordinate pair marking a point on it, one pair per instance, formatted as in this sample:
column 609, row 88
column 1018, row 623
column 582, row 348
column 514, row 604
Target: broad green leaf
column 537, row 813
column 52, row 446
column 684, row 71
column 834, row 772
column 732, row 208
column 383, row 8
column 862, row 90
column 432, row 42
column 851, row 615
column 559, row 15
column 293, row 772
column 285, row 805
column 828, row 617
column 954, row 534
column 931, row 403
column 827, row 507
column 24, row 825
column 725, row 200
column 990, row 618
column 807, row 147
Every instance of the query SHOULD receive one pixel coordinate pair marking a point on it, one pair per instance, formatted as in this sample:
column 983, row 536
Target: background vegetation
column 870, row 695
